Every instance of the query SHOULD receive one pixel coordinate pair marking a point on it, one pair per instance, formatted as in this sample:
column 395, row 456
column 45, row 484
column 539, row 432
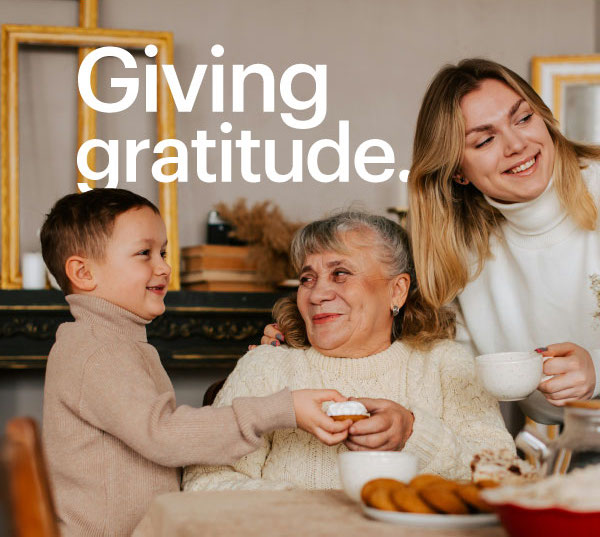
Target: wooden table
column 265, row 513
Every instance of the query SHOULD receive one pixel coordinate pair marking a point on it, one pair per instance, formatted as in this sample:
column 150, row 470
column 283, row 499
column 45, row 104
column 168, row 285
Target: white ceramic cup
column 510, row 376
column 34, row 271
column 358, row 467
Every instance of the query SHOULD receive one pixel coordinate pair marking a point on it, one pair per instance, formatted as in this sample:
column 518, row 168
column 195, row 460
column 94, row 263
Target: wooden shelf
column 198, row 329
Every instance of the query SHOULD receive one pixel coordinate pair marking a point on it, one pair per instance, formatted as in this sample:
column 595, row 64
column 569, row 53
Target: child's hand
column 574, row 376
column 272, row 336
column 388, row 428
column 311, row 418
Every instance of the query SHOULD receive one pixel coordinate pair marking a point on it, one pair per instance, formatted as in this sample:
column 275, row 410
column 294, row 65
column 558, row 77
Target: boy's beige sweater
column 113, row 435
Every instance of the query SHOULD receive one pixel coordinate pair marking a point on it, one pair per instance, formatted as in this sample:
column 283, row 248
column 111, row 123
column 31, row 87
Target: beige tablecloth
column 261, row 513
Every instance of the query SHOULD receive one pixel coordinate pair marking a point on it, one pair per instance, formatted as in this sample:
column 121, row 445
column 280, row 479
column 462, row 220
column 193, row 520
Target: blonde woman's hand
column 311, row 418
column 388, row 428
column 272, row 335
column 574, row 376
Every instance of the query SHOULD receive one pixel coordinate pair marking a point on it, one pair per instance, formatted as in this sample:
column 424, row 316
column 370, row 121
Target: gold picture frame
column 14, row 35
column 552, row 76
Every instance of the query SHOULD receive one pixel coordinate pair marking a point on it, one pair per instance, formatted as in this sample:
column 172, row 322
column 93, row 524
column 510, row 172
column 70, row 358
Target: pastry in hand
column 348, row 410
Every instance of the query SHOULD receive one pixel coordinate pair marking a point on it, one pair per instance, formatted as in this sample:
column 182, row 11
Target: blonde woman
column 504, row 217
column 359, row 325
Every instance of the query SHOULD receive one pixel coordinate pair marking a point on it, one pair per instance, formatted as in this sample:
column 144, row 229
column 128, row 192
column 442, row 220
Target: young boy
column 113, row 435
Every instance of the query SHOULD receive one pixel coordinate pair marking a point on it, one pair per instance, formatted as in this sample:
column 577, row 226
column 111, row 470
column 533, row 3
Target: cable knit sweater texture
column 454, row 417
column 112, row 433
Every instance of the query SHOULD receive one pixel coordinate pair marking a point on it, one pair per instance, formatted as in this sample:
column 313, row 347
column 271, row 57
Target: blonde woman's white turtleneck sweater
column 541, row 285
column 454, row 417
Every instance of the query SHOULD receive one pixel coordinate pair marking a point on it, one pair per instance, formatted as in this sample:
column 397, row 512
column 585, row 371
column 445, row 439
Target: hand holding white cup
column 571, row 374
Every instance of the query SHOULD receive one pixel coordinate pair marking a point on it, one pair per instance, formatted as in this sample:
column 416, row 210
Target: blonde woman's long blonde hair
column 450, row 224
column 418, row 324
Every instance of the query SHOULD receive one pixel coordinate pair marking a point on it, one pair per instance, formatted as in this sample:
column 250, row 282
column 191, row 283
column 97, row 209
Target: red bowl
column 552, row 522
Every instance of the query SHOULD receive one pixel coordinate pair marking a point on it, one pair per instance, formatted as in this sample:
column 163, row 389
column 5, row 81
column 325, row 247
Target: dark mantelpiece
column 198, row 329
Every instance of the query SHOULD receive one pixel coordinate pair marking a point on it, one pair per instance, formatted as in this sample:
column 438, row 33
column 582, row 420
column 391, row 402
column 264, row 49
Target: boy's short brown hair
column 81, row 224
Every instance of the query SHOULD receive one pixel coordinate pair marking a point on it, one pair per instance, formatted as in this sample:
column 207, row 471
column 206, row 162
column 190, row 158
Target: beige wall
column 380, row 56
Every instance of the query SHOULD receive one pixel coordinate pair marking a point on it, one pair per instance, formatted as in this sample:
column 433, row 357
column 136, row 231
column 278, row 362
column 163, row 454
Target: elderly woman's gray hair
column 417, row 323
column 391, row 245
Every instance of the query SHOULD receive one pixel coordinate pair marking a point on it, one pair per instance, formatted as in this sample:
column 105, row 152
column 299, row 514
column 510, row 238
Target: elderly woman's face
column 346, row 301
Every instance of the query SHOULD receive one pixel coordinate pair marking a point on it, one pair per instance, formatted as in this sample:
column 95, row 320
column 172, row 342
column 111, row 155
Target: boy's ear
column 79, row 272
column 400, row 287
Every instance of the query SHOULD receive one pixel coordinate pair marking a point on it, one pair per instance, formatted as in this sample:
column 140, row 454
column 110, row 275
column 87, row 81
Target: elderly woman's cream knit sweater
column 454, row 417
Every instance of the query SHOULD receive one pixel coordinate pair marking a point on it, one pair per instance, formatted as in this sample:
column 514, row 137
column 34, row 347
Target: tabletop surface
column 290, row 513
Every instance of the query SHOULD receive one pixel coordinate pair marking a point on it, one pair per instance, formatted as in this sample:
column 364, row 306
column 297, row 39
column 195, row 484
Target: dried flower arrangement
column 595, row 287
column 268, row 234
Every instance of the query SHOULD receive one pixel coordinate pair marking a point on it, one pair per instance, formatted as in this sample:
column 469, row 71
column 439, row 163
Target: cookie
column 409, row 501
column 470, row 494
column 381, row 499
column 443, row 499
column 425, row 480
column 381, row 483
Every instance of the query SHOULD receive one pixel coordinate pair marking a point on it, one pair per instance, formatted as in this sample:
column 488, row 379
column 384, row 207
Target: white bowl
column 358, row 467
column 510, row 376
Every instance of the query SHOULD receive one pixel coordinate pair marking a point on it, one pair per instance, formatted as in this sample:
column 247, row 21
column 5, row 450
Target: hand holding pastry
column 311, row 418
column 574, row 376
column 388, row 428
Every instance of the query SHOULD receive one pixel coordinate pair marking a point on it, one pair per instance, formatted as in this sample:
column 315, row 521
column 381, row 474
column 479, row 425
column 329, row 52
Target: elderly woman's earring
column 460, row 179
column 395, row 310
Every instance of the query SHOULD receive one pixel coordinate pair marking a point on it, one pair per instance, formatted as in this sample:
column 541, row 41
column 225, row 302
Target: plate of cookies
column 428, row 500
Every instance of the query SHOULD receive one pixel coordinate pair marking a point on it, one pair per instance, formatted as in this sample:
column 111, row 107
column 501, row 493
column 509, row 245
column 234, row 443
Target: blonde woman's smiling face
column 345, row 300
column 509, row 154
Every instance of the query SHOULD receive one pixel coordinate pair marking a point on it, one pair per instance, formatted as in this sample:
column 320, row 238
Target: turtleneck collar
column 97, row 311
column 533, row 217
column 538, row 223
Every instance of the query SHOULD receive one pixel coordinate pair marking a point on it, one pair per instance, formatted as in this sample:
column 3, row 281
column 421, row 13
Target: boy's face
column 134, row 273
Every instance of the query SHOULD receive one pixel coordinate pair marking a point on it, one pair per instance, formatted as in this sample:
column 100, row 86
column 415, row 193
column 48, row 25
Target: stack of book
column 215, row 267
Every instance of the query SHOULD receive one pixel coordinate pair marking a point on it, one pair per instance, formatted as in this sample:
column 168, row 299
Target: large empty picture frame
column 570, row 87
column 15, row 35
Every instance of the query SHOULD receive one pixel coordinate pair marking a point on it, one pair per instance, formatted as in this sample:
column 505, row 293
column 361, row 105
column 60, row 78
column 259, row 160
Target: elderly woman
column 358, row 324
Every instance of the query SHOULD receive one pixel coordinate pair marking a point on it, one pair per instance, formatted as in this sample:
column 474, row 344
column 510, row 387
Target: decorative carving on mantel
column 198, row 330
column 169, row 327
column 38, row 328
